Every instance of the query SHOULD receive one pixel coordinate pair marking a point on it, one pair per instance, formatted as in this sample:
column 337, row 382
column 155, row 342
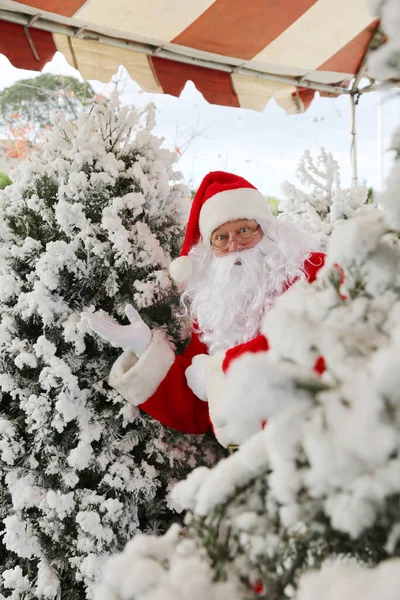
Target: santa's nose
column 234, row 246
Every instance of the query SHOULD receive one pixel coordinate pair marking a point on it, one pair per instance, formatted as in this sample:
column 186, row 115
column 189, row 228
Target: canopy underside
column 237, row 53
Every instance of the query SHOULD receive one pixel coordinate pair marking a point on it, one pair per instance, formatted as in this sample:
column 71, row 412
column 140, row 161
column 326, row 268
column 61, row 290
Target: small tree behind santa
column 322, row 204
column 90, row 222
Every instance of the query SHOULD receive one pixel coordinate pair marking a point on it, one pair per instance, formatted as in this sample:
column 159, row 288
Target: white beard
column 227, row 301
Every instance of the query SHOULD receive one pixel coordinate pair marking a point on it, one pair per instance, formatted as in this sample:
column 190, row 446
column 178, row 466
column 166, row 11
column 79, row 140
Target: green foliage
column 4, row 181
column 274, row 204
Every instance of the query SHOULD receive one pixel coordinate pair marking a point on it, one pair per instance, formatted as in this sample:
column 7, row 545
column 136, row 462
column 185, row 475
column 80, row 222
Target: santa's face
column 230, row 290
column 234, row 236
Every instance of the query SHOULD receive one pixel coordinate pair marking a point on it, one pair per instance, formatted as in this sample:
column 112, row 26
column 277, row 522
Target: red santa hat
column 221, row 197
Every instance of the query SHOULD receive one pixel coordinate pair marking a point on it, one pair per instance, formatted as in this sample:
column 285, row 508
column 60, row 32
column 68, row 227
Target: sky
column 265, row 148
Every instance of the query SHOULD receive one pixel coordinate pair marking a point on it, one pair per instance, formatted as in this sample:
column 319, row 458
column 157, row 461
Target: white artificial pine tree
column 90, row 223
column 323, row 204
column 320, row 485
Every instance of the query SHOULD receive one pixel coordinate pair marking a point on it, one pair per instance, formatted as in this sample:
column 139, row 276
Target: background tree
column 322, row 204
column 90, row 222
column 27, row 105
column 35, row 99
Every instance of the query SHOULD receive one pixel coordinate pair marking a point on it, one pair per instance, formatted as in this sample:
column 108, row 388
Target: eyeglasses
column 243, row 236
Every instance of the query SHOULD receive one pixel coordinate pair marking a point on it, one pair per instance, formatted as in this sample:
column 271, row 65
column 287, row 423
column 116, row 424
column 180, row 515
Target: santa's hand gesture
column 135, row 337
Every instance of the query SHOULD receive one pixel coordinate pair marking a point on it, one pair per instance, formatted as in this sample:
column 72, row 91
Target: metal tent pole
column 380, row 140
column 355, row 94
column 353, row 145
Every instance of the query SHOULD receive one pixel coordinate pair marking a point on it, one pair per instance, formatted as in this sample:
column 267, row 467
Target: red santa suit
column 156, row 382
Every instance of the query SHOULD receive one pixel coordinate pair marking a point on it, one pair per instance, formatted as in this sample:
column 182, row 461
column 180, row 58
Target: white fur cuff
column 136, row 379
column 223, row 437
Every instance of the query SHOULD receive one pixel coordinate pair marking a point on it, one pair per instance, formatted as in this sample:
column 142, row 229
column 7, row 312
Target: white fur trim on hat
column 181, row 269
column 242, row 203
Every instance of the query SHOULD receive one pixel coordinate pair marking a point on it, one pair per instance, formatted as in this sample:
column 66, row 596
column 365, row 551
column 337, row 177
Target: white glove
column 196, row 376
column 135, row 337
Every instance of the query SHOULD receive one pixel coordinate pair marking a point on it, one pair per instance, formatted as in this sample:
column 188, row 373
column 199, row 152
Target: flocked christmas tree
column 90, row 223
column 320, row 485
column 322, row 204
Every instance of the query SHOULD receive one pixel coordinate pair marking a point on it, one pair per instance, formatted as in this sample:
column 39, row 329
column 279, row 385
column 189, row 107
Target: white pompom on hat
column 221, row 197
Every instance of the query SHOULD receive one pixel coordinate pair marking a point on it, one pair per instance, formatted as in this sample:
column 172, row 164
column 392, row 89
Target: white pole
column 353, row 144
column 379, row 133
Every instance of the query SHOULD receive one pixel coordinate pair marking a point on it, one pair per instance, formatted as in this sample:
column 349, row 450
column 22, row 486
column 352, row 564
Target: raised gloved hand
column 196, row 376
column 135, row 337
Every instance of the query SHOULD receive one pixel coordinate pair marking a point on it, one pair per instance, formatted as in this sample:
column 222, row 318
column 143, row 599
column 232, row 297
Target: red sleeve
column 173, row 403
column 313, row 264
column 258, row 344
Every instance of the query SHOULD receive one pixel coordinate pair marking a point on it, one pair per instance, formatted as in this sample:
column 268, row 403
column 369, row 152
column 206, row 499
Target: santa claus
column 235, row 260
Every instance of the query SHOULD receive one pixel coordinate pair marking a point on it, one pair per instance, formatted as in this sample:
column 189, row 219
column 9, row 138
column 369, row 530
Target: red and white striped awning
column 237, row 52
